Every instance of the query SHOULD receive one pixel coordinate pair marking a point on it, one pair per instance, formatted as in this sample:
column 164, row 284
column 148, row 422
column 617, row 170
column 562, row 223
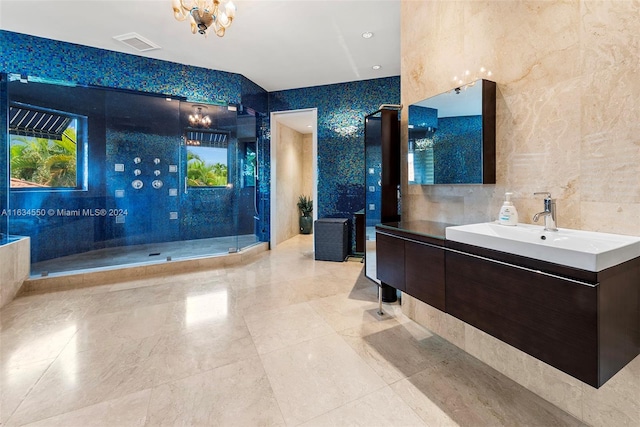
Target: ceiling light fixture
column 205, row 15
column 376, row 67
column 367, row 35
column 198, row 118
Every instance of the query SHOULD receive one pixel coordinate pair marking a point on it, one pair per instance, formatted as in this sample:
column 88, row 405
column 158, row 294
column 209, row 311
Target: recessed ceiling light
column 376, row 67
column 309, row 126
column 367, row 35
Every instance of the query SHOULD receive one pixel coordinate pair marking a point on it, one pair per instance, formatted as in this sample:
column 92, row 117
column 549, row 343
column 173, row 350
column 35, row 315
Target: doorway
column 287, row 169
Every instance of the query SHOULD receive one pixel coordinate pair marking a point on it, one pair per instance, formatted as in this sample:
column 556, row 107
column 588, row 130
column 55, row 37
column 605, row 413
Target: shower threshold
column 122, row 256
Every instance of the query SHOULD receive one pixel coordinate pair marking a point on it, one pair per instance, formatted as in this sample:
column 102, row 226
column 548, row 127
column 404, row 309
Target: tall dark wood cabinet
column 382, row 184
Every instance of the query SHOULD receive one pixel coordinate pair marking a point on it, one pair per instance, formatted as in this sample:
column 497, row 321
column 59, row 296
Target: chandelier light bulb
column 231, row 10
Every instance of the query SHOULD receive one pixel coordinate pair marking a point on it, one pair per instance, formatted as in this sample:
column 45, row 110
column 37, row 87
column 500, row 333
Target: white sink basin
column 586, row 250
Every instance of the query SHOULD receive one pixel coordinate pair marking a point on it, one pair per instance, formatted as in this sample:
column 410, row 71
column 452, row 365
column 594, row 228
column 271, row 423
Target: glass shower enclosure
column 100, row 178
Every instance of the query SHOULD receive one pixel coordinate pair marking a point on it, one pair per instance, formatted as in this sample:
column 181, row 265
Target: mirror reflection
column 449, row 137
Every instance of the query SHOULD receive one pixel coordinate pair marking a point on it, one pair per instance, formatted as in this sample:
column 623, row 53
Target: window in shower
column 45, row 148
column 207, row 158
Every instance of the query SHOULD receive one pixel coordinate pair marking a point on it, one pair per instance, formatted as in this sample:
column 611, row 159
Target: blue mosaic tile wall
column 263, row 229
column 423, row 117
column 457, row 150
column 341, row 111
column 254, row 97
column 85, row 65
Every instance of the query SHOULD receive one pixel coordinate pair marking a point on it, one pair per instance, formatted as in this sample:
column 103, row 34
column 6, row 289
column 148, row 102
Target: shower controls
column 157, row 184
column 137, row 172
column 119, row 167
column 156, row 172
column 137, row 160
column 156, row 161
column 137, row 184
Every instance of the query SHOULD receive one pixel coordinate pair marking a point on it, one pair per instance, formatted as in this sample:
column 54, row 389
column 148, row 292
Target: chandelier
column 199, row 118
column 205, row 15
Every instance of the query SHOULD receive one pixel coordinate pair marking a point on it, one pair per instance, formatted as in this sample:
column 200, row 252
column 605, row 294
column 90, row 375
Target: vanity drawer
column 424, row 273
column 551, row 318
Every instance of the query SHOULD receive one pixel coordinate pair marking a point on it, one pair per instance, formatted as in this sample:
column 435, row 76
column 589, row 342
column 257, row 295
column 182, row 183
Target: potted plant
column 305, row 205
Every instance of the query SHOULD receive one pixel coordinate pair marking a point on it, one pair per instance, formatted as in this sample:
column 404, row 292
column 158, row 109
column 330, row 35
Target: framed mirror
column 452, row 136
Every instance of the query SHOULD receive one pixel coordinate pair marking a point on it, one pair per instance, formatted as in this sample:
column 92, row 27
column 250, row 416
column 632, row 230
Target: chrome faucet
column 549, row 212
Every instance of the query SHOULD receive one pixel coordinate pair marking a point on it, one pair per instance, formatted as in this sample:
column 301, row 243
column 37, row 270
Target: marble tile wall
column 568, row 114
column 616, row 403
column 14, row 268
column 307, row 164
column 341, row 111
column 568, row 122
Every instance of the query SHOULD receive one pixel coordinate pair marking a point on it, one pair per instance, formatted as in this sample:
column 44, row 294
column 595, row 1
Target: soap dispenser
column 508, row 213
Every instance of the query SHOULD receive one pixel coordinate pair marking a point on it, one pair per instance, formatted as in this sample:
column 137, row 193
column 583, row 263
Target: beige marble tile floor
column 282, row 341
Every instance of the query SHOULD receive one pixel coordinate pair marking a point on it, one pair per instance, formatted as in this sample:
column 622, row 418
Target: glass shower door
column 4, row 162
column 248, row 197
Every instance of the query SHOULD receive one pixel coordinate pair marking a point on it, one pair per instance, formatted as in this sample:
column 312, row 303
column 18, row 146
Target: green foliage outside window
column 43, row 161
column 202, row 174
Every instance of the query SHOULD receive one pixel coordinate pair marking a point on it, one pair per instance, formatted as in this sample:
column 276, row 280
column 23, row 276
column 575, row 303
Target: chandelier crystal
column 205, row 15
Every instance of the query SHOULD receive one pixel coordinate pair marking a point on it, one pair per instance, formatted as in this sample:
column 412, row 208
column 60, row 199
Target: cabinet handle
column 579, row 282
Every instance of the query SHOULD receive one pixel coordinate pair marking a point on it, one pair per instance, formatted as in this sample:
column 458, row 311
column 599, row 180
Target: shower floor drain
column 155, row 254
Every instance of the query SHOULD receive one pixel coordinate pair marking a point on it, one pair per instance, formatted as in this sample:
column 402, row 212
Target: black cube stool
column 331, row 239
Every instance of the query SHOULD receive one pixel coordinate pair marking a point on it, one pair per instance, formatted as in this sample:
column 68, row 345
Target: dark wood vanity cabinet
column 416, row 268
column 588, row 330
column 424, row 273
column 586, row 324
column 390, row 260
column 550, row 318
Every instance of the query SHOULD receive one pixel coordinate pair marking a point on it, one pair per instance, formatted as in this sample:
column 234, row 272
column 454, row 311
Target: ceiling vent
column 137, row 42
